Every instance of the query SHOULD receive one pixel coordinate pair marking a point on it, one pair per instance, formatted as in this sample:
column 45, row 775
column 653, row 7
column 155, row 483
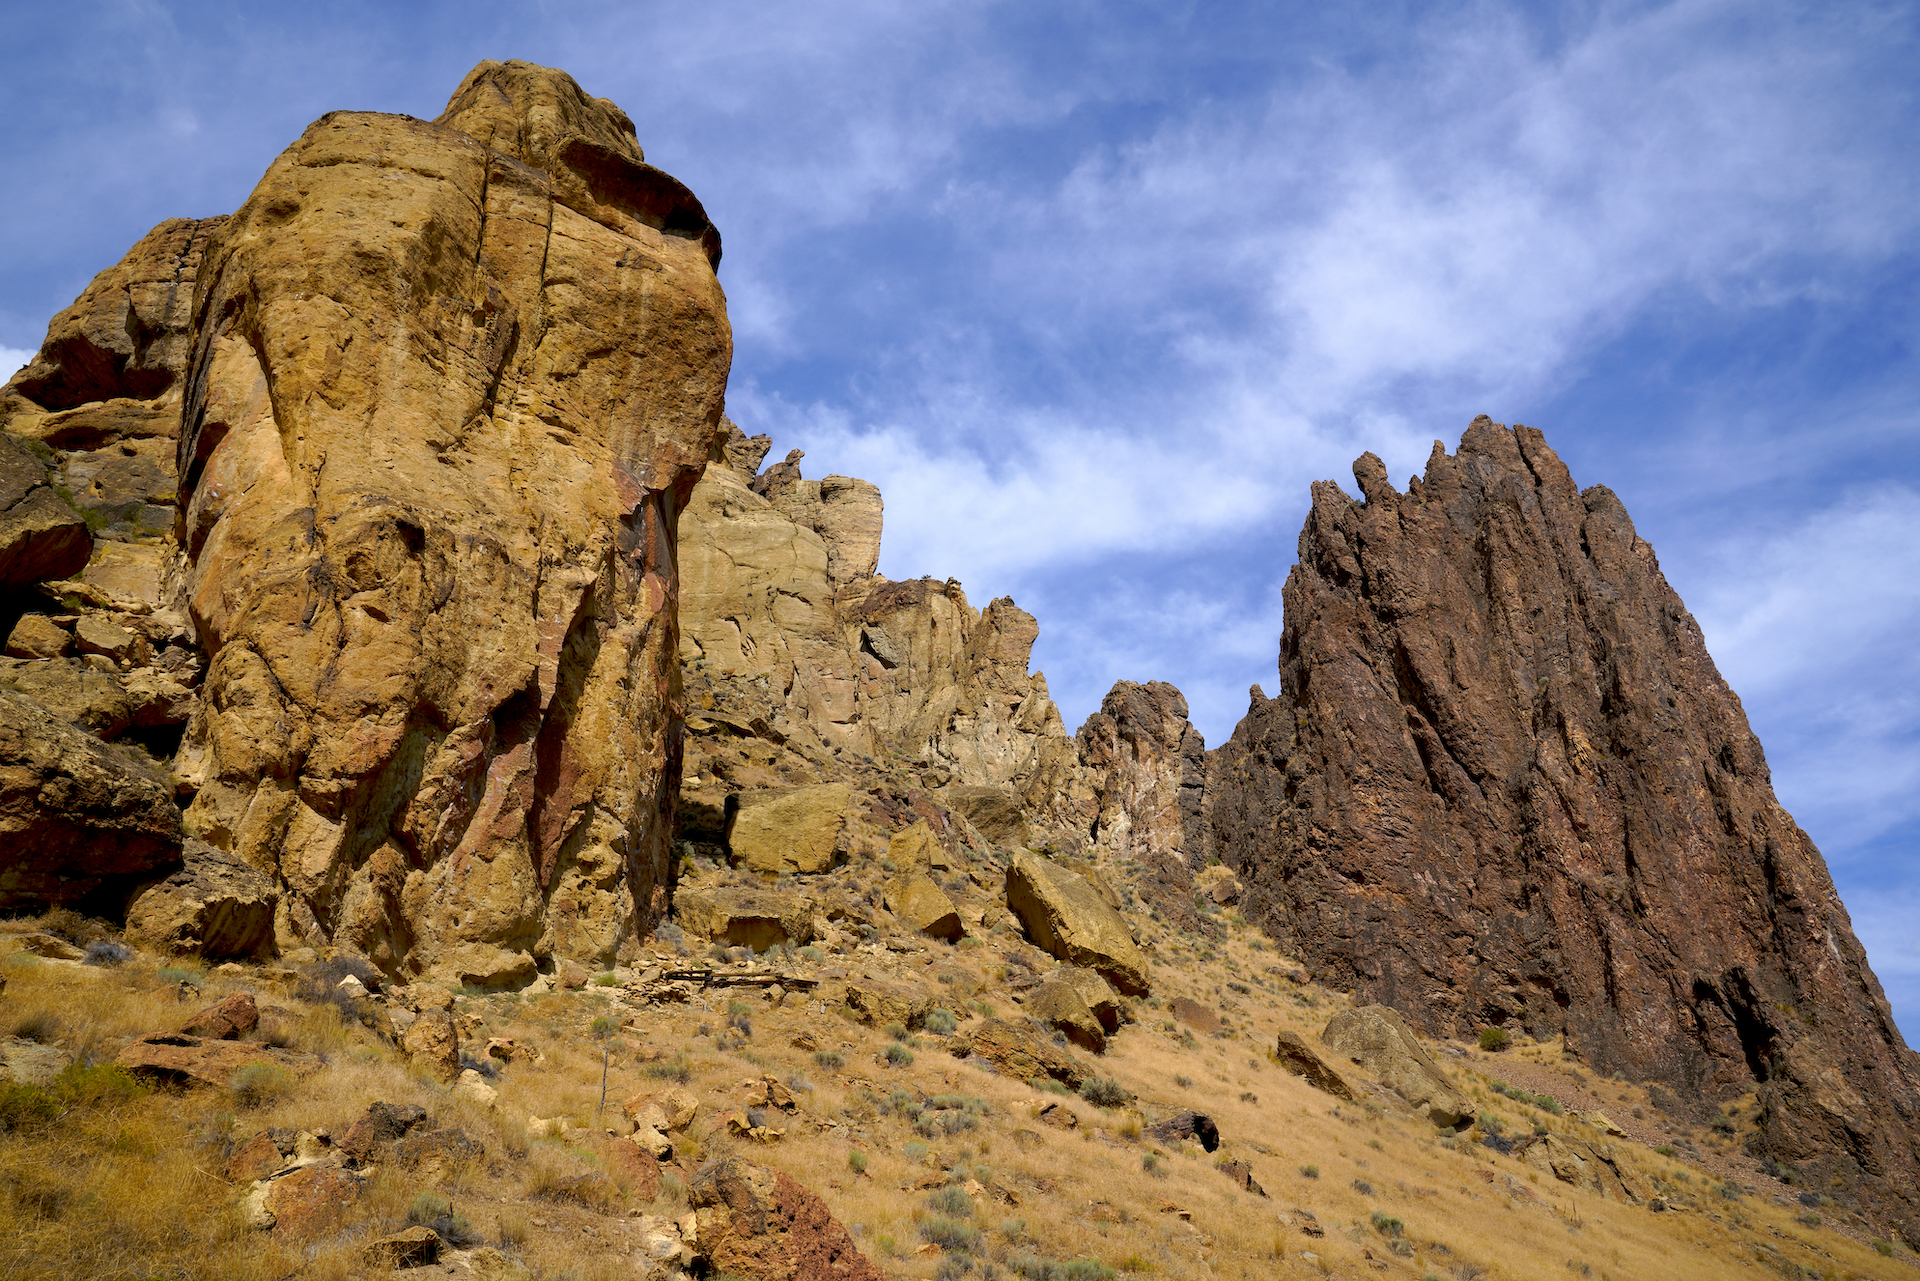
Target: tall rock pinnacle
column 449, row 384
column 1504, row 784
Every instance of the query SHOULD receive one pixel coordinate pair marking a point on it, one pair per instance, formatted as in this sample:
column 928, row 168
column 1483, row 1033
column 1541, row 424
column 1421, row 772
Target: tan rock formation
column 79, row 823
column 450, row 384
column 1061, row 1006
column 923, row 907
column 42, row 536
column 797, row 829
column 758, row 919
column 1294, row 1054
column 1020, row 1048
column 881, row 1003
column 1378, row 1040
column 1067, row 918
column 214, row 906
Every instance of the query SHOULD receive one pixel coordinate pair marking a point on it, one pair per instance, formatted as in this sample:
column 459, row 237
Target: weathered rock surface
column 42, row 535
column 213, row 906
column 1504, row 783
column 79, row 822
column 880, row 1003
column 1020, row 1048
column 803, row 664
column 432, row 567
column 1066, row 917
column 1060, row 1006
column 797, row 829
column 752, row 1221
column 1378, row 1040
column 225, row 1020
column 923, row 907
column 179, row 1059
column 1299, row 1058
column 744, row 918
column 1197, row 1126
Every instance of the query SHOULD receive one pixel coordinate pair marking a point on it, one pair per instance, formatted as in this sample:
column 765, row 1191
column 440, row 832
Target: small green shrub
column 608, row 979
column 1884, row 1247
column 1184, row 1082
column 1386, row 1225
column 1151, row 1164
column 942, row 1023
column 678, row 1071
column 427, row 1207
column 857, row 1161
column 1494, row 1039
column 827, row 1059
column 952, row 1235
column 812, row 953
column 1309, row 1171
column 1667, row 1150
column 951, row 1203
column 915, row 1150
column 1106, row 1093
column 258, row 1084
column 897, row 1031
column 899, row 1055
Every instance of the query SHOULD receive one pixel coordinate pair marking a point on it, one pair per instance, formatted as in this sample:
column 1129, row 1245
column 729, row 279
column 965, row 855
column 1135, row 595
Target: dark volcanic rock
column 1504, row 783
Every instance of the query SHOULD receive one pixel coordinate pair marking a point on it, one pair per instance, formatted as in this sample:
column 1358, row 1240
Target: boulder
column 1602, row 1122
column 42, row 536
column 485, row 966
column 1378, row 1040
column 314, row 1201
column 213, row 905
column 79, row 821
column 1296, row 1056
column 178, row 1059
column 75, row 691
column 1066, row 917
column 633, row 1168
column 676, row 1108
column 1242, row 1175
column 881, row 1003
column 264, row 1154
column 470, row 1085
column 37, row 636
column 917, row 849
column 1060, row 1006
column 789, row 829
column 1020, row 1049
column 1095, row 992
column 1182, row 1126
column 379, row 1126
column 228, row 1020
column 413, row 1248
column 98, row 634
column 432, row 1042
column 758, row 919
column 923, row 907
column 752, row 1221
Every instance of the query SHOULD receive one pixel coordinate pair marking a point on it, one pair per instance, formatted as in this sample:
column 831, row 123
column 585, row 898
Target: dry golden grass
column 129, row 1189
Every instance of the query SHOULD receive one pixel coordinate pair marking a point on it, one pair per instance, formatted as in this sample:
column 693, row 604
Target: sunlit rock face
column 449, row 385
column 1504, row 783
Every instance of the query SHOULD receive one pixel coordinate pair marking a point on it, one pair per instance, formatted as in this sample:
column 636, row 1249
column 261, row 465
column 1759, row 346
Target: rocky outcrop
column 1292, row 1052
column 788, row 829
column 448, row 386
column 80, row 823
column 1504, row 784
column 1378, row 1040
column 1020, row 1048
column 757, row 1222
column 758, row 919
column 214, row 905
column 804, row 665
column 42, row 535
column 1066, row 917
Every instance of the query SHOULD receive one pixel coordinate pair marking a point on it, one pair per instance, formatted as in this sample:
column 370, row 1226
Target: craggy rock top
column 1504, row 783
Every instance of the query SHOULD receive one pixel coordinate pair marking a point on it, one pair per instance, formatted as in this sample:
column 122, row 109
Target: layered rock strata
column 1504, row 784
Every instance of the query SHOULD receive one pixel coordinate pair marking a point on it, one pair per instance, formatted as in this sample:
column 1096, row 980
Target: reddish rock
column 757, row 1222
column 1182, row 1126
column 313, row 1201
column 228, row 1020
column 379, row 1125
column 1242, row 1175
column 259, row 1156
column 436, row 1156
column 1504, row 784
column 637, row 1170
column 190, row 1060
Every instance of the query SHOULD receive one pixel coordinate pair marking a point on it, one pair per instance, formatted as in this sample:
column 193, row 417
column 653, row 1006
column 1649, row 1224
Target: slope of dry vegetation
column 939, row 1168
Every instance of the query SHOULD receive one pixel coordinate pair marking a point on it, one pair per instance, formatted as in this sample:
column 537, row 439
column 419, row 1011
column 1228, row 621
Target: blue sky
column 1094, row 291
